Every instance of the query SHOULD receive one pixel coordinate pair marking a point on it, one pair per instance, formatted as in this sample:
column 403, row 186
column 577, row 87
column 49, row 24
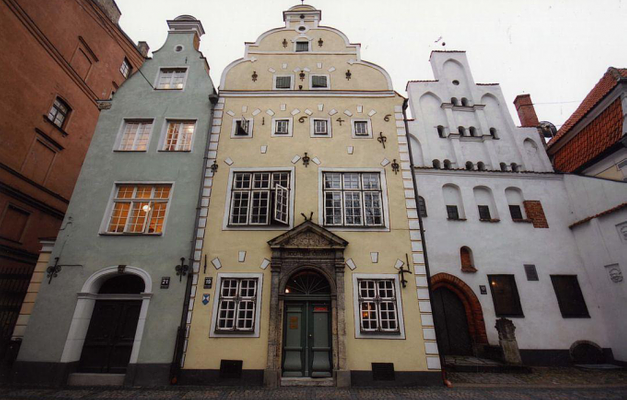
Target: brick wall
column 535, row 213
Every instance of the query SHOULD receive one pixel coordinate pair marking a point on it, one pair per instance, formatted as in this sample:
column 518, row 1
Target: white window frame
column 104, row 225
column 312, row 128
column 274, row 77
column 361, row 228
column 125, row 68
column 250, row 128
column 290, row 125
column 156, row 81
column 324, row 88
column 399, row 307
column 248, row 227
column 369, row 136
column 120, row 137
column 302, row 40
column 164, row 134
column 216, row 304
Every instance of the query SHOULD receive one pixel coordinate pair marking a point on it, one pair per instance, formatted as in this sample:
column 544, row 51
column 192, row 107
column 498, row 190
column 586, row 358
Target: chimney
column 143, row 48
column 187, row 24
column 526, row 112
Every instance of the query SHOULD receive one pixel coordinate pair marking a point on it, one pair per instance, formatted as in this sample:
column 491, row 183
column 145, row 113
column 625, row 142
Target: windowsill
column 241, row 136
column 470, row 270
column 362, row 137
column 492, row 220
column 46, row 119
column 169, row 89
column 129, row 151
column 524, row 221
column 380, row 228
column 320, row 136
column 174, row 151
column 575, row 317
column 130, row 234
column 380, row 335
column 456, row 219
column 257, row 228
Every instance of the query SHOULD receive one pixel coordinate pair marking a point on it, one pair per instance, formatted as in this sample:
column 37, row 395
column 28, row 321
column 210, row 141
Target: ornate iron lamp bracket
column 306, row 160
column 181, row 270
column 382, row 139
column 395, row 167
column 53, row 270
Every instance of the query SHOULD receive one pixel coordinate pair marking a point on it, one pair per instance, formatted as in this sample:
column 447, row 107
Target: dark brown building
column 59, row 57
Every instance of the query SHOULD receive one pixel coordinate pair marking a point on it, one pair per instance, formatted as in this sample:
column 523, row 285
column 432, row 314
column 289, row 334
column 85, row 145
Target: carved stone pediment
column 308, row 235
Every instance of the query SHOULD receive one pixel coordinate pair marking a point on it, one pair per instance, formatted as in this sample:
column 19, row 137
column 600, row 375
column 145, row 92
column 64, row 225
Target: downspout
column 422, row 237
column 177, row 358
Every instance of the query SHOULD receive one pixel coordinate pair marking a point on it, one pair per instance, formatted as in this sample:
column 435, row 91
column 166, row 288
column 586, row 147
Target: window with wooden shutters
column 319, row 82
column 569, row 296
column 353, row 199
column 139, row 209
column 505, row 296
column 302, row 46
column 283, row 82
column 259, row 199
column 237, row 305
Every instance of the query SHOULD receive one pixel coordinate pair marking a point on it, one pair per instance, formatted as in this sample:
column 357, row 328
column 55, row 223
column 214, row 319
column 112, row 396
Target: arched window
column 485, row 204
column 461, row 130
column 515, row 201
column 493, row 133
column 533, row 155
column 465, row 102
column 454, row 101
column 453, row 202
column 416, row 151
column 422, row 207
column 467, row 260
column 441, row 132
column 473, row 131
column 436, row 164
column 447, row 164
column 481, row 166
column 469, row 165
column 503, row 167
column 515, row 167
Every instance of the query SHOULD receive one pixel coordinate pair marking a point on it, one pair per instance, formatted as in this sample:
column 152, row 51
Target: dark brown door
column 110, row 336
column 451, row 324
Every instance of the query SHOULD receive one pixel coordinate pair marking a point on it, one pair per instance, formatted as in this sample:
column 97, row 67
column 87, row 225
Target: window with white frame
column 361, row 128
column 59, row 112
column 282, row 127
column 125, row 68
column 377, row 305
column 320, row 127
column 260, row 199
column 302, row 46
column 242, row 128
column 135, row 135
column 178, row 135
column 319, row 82
column 236, row 309
column 353, row 199
column 283, row 82
column 171, row 78
column 139, row 209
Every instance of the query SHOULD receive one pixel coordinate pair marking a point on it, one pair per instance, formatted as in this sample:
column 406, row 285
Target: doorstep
column 311, row 382
column 83, row 379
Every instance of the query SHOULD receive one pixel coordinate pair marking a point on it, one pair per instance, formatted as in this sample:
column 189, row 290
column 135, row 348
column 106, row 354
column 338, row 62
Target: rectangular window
column 569, row 296
column 139, row 209
column 515, row 212
column 125, row 68
column 179, row 136
column 281, row 126
column 283, row 82
column 422, row 207
column 302, row 46
column 242, row 128
column 236, row 305
column 58, row 112
column 452, row 212
column 505, row 296
column 135, row 135
column 320, row 127
column 531, row 272
column 352, row 199
column 260, row 199
column 14, row 223
column 361, row 129
column 171, row 78
column 484, row 213
column 319, row 82
column 377, row 306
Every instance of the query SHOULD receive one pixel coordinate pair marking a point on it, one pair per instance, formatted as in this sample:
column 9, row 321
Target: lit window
column 505, row 296
column 260, row 199
column 179, row 136
column 171, row 78
column 58, row 112
column 319, row 82
column 236, row 306
column 361, row 129
column 139, row 209
column 135, row 135
column 125, row 68
column 283, row 82
column 242, row 127
column 353, row 199
column 378, row 312
column 302, row 46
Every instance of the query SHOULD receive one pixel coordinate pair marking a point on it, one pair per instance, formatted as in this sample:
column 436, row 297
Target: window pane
column 333, row 208
column 373, row 208
column 283, row 82
column 226, row 315
column 367, row 289
column 361, row 128
column 352, row 208
column 333, row 181
column 505, row 295
column 119, row 217
column 371, row 181
column 162, row 192
column 239, row 207
column 281, row 127
column 246, row 315
column 351, row 181
column 261, row 180
column 143, row 192
column 281, row 178
column 515, row 212
column 125, row 192
column 484, row 212
column 320, row 127
column 569, row 296
column 281, row 206
column 368, row 316
column 171, row 78
column 139, row 215
column 388, row 316
column 319, row 81
column 260, row 206
column 302, row 46
column 452, row 212
column 157, row 217
column 242, row 181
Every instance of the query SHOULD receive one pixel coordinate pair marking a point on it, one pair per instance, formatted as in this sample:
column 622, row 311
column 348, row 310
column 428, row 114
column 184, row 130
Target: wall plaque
column 165, row 282
column 483, row 289
column 293, row 322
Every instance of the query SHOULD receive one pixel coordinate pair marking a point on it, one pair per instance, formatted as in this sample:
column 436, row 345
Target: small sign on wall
column 622, row 231
column 208, row 282
column 205, row 298
column 616, row 275
column 165, row 282
column 483, row 289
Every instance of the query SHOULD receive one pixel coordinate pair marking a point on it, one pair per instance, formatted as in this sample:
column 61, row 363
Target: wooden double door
column 307, row 338
column 109, row 341
column 451, row 323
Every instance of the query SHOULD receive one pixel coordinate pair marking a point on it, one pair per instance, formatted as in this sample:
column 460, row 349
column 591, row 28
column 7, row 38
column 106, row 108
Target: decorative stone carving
column 507, row 340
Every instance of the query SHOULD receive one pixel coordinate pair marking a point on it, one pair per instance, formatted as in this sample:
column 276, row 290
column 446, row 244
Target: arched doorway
column 307, row 326
column 459, row 318
column 111, row 334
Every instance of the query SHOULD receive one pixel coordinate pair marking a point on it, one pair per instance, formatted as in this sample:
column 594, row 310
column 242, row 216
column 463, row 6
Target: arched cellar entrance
column 112, row 327
column 459, row 318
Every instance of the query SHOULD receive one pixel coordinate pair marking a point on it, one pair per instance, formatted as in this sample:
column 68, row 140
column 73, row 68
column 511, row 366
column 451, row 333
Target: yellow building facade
column 309, row 264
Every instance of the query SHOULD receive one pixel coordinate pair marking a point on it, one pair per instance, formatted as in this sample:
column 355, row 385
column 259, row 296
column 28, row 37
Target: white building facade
column 498, row 227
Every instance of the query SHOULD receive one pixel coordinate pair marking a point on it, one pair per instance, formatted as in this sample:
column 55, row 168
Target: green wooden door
column 307, row 339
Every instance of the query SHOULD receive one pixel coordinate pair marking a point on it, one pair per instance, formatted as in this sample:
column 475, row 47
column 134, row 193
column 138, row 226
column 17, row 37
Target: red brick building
column 59, row 57
column 593, row 140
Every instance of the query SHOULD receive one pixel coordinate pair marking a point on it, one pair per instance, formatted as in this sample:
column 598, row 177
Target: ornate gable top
column 308, row 235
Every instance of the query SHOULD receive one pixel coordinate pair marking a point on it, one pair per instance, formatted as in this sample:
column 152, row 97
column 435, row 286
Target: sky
column 555, row 50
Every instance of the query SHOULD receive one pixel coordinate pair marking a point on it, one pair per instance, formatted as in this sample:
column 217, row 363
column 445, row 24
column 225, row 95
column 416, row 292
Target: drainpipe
column 179, row 344
column 422, row 237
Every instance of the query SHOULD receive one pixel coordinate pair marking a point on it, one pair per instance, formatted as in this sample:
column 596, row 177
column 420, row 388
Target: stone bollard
column 507, row 340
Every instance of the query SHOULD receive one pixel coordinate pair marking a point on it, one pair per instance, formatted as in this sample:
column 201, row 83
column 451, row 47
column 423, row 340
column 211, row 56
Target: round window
column 178, row 48
column 455, row 82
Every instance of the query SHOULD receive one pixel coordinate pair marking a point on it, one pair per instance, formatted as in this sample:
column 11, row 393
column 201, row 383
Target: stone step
column 83, row 379
column 312, row 382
